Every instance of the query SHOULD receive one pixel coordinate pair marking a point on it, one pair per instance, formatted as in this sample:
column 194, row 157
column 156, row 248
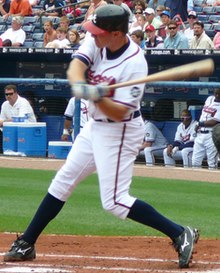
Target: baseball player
column 69, row 117
column 182, row 148
column 204, row 146
column 110, row 140
column 154, row 143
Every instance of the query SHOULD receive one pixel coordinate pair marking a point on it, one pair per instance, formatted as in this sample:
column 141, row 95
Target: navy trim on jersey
column 68, row 117
column 83, row 59
column 114, row 55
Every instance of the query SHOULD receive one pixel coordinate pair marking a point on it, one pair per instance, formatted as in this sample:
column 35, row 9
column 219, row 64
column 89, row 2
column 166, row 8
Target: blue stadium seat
column 39, row 44
column 198, row 3
column 29, row 30
column 204, row 18
column 38, row 36
column 214, row 18
column 30, row 20
column 28, row 44
column 209, row 10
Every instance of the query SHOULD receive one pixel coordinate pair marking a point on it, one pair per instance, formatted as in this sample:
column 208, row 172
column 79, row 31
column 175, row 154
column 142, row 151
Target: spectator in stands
column 216, row 40
column 153, row 144
column 159, row 10
column 74, row 38
column 64, row 22
column 15, row 34
column 50, row 33
column 7, row 43
column 141, row 21
column 61, row 41
column 204, row 145
column 48, row 8
column 180, row 23
column 125, row 6
column 177, row 7
column 19, row 8
column 151, row 18
column 140, row 4
column 152, row 41
column 70, row 115
column 71, row 11
column 4, row 7
column 182, row 148
column 155, row 3
column 175, row 40
column 189, row 32
column 14, row 106
column 201, row 40
column 165, row 19
column 135, row 24
column 138, row 37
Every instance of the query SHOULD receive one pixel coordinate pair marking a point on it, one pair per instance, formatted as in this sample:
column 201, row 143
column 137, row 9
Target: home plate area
column 100, row 254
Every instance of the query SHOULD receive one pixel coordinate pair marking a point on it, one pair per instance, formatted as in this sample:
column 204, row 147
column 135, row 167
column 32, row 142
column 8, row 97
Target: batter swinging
column 110, row 140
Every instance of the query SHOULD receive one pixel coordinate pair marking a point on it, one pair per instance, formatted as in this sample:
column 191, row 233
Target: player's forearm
column 111, row 109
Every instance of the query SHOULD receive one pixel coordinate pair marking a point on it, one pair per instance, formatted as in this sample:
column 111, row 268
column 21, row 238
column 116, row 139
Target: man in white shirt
column 15, row 34
column 189, row 32
column 14, row 106
column 201, row 40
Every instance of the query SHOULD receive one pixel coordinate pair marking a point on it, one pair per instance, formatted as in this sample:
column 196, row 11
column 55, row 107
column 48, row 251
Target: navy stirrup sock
column 48, row 209
column 144, row 213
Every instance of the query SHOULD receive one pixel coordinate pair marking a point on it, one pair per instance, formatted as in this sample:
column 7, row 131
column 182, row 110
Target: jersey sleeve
column 69, row 112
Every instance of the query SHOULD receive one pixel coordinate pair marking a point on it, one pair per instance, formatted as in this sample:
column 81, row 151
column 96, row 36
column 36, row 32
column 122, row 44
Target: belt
column 205, row 132
column 135, row 114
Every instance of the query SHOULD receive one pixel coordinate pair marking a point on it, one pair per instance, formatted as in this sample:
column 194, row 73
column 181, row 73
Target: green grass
column 186, row 202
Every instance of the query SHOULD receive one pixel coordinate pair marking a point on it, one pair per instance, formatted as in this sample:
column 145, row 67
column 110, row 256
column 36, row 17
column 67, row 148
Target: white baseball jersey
column 204, row 146
column 159, row 143
column 184, row 135
column 70, row 110
column 21, row 108
column 108, row 147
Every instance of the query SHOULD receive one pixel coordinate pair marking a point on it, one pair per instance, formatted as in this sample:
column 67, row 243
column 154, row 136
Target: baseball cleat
column 20, row 251
column 184, row 245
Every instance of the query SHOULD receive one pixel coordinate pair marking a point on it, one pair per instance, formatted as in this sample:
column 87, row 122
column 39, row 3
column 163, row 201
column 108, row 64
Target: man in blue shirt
column 176, row 39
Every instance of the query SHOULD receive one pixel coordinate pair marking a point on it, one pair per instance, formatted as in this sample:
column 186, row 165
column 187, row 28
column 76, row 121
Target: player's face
column 217, row 95
column 103, row 40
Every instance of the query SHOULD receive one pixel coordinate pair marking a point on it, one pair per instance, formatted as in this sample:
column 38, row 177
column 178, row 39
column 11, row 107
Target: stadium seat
column 2, row 28
column 209, row 10
column 29, row 30
column 30, row 20
column 204, row 18
column 38, row 36
column 214, row 18
column 211, row 33
column 198, row 3
column 207, row 26
column 217, row 9
column 28, row 44
column 39, row 44
column 216, row 28
column 198, row 10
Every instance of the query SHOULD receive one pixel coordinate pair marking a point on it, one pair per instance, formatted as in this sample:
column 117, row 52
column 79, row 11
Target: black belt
column 135, row 114
column 205, row 132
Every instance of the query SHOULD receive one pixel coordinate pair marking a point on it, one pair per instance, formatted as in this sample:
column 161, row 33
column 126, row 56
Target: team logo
column 135, row 91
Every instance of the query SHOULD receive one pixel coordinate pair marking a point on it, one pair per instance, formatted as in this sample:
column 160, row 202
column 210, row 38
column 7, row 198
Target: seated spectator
column 204, row 145
column 200, row 40
column 151, row 18
column 155, row 3
column 74, row 39
column 159, row 10
column 152, row 41
column 61, row 41
column 182, row 148
column 189, row 32
column 64, row 22
column 7, row 43
column 216, row 40
column 138, row 37
column 154, row 143
column 14, row 106
column 15, row 34
column 165, row 19
column 48, row 8
column 176, row 39
column 19, row 8
column 71, row 11
column 4, row 7
column 139, row 24
column 50, row 33
column 135, row 24
column 139, row 4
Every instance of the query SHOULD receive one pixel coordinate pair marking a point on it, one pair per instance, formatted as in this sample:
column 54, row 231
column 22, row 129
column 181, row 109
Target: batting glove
column 89, row 92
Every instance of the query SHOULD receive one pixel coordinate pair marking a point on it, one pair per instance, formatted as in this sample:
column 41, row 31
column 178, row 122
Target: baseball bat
column 191, row 70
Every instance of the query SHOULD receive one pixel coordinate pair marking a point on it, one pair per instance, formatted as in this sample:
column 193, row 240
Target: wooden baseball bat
column 191, row 70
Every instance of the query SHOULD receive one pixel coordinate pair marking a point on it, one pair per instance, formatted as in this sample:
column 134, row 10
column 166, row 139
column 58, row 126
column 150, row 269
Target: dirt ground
column 94, row 254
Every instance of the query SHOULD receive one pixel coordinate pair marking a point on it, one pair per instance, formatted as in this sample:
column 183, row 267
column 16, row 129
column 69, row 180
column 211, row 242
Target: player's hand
column 65, row 137
column 169, row 150
column 90, row 92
